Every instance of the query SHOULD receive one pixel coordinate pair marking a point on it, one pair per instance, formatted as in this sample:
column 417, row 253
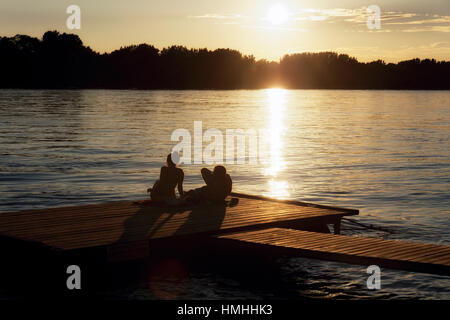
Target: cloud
column 218, row 16
column 419, row 23
column 440, row 45
column 354, row 19
column 394, row 21
column 318, row 18
column 274, row 28
column 428, row 29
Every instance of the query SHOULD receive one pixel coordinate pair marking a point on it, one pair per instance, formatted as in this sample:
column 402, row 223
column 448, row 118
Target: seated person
column 170, row 177
column 218, row 186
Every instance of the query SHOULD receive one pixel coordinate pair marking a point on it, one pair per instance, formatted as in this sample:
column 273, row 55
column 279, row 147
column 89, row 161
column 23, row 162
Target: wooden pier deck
column 128, row 229
column 392, row 254
column 115, row 223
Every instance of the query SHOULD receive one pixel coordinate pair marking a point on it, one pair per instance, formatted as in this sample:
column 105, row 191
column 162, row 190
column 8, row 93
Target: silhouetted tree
column 62, row 61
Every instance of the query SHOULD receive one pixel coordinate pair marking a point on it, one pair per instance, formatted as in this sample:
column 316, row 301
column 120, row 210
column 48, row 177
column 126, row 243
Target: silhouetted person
column 170, row 177
column 218, row 186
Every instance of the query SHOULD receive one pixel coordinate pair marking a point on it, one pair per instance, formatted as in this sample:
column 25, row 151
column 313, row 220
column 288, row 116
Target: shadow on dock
column 147, row 221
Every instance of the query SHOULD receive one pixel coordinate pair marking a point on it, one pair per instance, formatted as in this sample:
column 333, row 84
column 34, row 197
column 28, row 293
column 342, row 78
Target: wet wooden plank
column 428, row 258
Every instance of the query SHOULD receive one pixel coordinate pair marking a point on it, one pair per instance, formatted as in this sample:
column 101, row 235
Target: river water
column 385, row 153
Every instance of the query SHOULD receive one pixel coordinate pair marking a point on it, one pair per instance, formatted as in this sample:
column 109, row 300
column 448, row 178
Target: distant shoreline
column 61, row 61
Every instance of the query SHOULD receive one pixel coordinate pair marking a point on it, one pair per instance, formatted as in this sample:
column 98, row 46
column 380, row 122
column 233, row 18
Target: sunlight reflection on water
column 276, row 131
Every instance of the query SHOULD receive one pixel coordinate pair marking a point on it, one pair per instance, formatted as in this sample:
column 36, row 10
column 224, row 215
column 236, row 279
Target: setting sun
column 277, row 14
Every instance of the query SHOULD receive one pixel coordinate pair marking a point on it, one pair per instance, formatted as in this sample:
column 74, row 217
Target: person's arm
column 180, row 183
column 162, row 173
column 229, row 184
column 207, row 176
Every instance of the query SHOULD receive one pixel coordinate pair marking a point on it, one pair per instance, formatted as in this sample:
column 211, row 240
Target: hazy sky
column 409, row 28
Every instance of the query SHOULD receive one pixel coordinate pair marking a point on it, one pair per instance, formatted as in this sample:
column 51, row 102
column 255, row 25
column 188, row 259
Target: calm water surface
column 385, row 153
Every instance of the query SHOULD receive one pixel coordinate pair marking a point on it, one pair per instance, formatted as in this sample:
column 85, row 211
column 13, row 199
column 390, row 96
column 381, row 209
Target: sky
column 267, row 29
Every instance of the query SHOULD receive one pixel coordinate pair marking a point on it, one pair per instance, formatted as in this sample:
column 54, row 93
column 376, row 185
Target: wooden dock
column 392, row 254
column 114, row 223
column 128, row 230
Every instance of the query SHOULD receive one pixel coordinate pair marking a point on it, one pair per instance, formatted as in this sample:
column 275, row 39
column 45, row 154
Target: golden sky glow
column 266, row 28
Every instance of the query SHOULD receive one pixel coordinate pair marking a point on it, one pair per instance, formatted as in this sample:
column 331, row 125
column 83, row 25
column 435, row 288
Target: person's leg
column 207, row 176
column 192, row 196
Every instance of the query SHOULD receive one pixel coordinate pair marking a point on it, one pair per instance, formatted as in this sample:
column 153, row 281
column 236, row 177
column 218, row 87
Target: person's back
column 170, row 177
column 219, row 186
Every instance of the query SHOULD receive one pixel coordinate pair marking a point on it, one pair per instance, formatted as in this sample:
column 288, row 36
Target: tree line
column 60, row 60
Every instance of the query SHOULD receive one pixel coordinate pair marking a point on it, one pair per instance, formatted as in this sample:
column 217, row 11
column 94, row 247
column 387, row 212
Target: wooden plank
column 106, row 224
column 100, row 215
column 297, row 203
column 111, row 224
column 428, row 258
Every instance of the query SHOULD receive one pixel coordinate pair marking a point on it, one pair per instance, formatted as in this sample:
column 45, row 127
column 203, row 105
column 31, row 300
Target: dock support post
column 337, row 227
